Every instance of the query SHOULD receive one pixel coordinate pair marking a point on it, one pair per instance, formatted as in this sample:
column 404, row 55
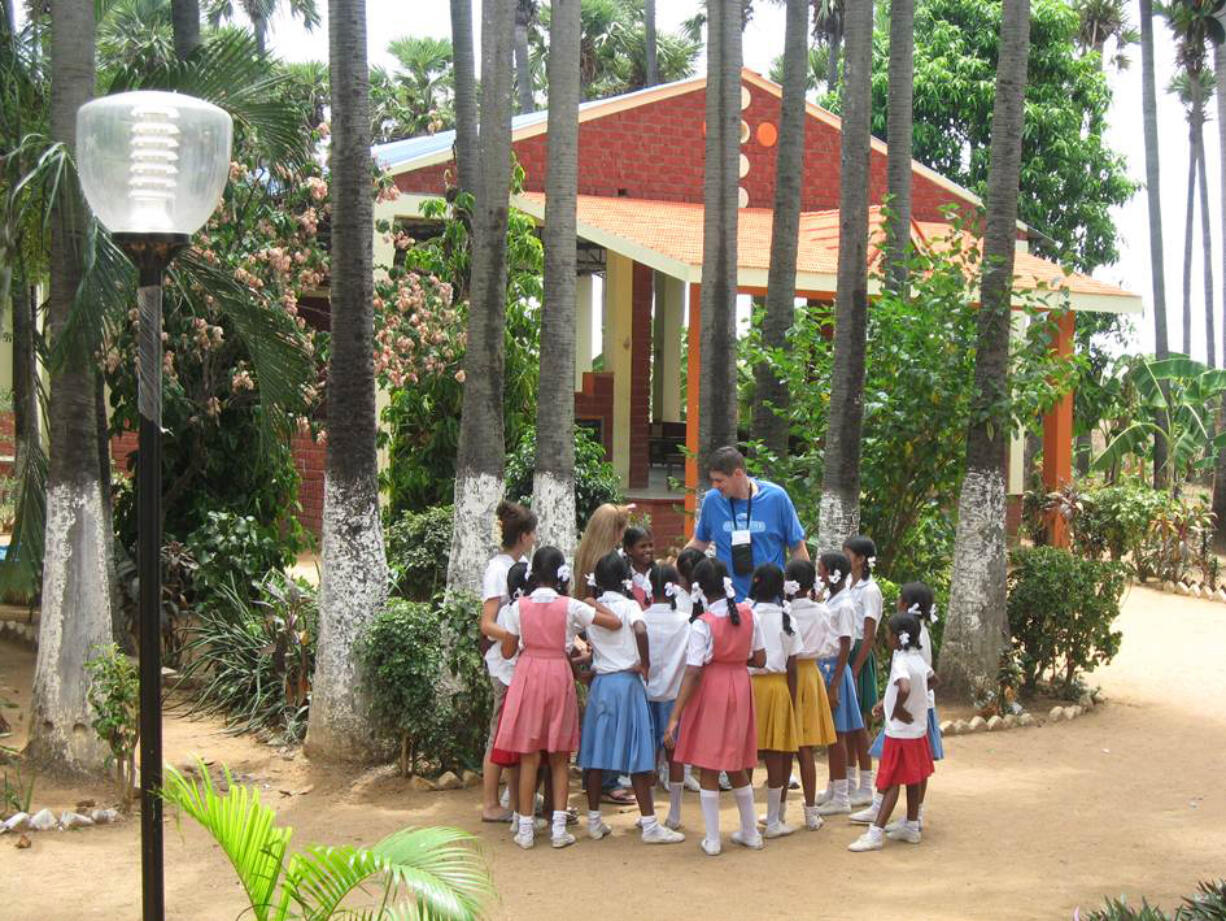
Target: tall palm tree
column 354, row 584
column 525, row 18
column 828, row 16
column 464, row 70
column 553, row 486
column 1206, row 241
column 1102, row 21
column 839, row 515
column 76, row 599
column 186, row 15
column 717, row 389
column 481, row 451
column 1219, row 473
column 1149, row 112
column 770, row 416
column 899, row 127
column 260, row 13
column 649, row 26
column 976, row 630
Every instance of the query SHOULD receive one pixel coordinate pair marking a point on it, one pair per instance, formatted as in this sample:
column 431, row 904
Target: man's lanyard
column 748, row 509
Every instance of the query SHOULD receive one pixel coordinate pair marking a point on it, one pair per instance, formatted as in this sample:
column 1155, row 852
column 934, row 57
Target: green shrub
column 1208, row 904
column 1114, row 520
column 596, row 482
column 1061, row 609
column 114, row 696
column 418, row 547
column 253, row 659
column 235, row 550
column 428, row 681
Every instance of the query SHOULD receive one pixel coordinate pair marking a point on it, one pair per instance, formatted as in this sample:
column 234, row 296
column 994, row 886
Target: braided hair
column 766, row 585
column 804, row 574
column 835, row 564
column 864, row 548
column 709, row 576
column 612, row 572
column 662, row 575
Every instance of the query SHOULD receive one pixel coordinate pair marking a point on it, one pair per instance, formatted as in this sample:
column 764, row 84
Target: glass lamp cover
column 153, row 162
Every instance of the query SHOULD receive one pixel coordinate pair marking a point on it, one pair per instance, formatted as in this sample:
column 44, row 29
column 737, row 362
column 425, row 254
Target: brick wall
column 669, row 524
column 309, row 461
column 657, row 151
column 595, row 401
column 640, row 376
column 8, row 442
column 123, row 445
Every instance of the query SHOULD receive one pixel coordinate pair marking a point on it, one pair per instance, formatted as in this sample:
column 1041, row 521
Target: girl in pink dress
column 541, row 713
column 715, row 707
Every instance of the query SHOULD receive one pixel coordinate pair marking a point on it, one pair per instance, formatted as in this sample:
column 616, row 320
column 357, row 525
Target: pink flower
column 460, row 375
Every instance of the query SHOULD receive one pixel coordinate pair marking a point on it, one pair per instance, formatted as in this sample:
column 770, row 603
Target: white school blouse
column 668, row 633
column 579, row 616
column 616, row 650
column 926, row 652
column 701, row 647
column 809, row 622
column 501, row 669
column 866, row 594
column 839, row 622
column 778, row 644
column 911, row 666
column 494, row 585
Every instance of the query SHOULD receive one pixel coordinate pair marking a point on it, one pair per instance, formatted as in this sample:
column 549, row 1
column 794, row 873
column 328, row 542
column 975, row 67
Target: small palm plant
column 427, row 873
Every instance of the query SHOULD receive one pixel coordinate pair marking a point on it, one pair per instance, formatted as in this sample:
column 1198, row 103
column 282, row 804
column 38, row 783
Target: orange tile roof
column 669, row 234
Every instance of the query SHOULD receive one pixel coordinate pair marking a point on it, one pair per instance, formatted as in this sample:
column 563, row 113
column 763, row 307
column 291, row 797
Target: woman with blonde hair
column 602, row 535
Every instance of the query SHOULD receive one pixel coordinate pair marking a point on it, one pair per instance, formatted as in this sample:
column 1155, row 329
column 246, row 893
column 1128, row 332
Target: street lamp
column 153, row 166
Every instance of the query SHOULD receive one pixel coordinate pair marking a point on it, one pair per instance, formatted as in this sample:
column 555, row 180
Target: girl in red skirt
column 906, row 760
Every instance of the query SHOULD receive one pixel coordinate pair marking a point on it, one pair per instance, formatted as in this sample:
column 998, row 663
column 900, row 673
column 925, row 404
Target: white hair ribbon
column 932, row 613
column 516, row 595
column 591, row 580
column 710, row 552
column 904, row 638
column 563, row 573
column 729, row 588
column 914, row 609
column 628, row 584
column 791, row 588
column 697, row 596
column 836, row 576
column 671, row 590
column 872, row 562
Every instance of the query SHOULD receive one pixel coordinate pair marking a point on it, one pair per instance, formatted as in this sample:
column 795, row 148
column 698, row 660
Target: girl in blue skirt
column 833, row 570
column 617, row 731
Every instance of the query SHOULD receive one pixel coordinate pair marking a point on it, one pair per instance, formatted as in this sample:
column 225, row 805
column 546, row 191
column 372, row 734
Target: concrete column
column 384, row 254
column 583, row 328
column 618, row 338
column 670, row 309
column 1058, row 435
column 692, row 378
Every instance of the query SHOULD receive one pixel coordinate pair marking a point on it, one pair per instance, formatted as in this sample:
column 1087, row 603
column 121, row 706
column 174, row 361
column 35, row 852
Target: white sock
column 914, row 826
column 773, row 796
column 829, row 789
column 710, row 815
column 744, row 803
column 559, row 823
column 851, row 778
column 877, row 798
column 866, row 780
column 876, row 832
column 674, row 801
column 921, row 813
column 783, row 804
column 593, row 819
column 840, row 789
column 515, row 820
column 648, row 822
column 527, row 827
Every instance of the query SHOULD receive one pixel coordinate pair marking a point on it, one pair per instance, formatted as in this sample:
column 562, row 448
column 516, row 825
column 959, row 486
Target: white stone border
column 1089, row 700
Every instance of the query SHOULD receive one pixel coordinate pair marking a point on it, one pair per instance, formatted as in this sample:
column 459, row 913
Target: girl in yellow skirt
column 774, row 691
column 814, row 724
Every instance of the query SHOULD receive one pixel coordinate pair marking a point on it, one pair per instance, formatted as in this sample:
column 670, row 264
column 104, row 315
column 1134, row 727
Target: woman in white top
column 668, row 631
column 517, row 529
column 862, row 554
column 774, row 691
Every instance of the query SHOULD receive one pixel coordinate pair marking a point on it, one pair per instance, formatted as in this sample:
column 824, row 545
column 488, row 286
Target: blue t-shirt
column 774, row 526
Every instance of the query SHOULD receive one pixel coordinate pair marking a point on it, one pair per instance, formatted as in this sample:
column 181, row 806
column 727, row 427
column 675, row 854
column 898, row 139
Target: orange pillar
column 692, row 376
column 1058, row 435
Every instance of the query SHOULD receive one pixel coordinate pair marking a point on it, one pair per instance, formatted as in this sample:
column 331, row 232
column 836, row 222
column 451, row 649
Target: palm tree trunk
column 717, row 418
column 259, row 25
column 354, row 584
column 770, row 410
column 839, row 512
column 1206, row 237
column 835, row 42
column 185, row 16
column 1219, row 472
column 464, row 69
column 976, row 630
column 1189, row 227
column 482, row 443
column 76, row 601
column 898, row 139
column 553, row 486
column 26, row 429
column 523, row 65
column 649, row 26
column 1153, row 191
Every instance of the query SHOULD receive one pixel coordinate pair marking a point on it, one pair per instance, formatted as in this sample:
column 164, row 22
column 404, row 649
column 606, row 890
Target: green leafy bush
column 253, row 659
column 1115, row 520
column 1061, row 609
column 428, row 681
column 234, row 550
column 1208, row 904
column 596, row 482
column 114, row 696
column 418, row 547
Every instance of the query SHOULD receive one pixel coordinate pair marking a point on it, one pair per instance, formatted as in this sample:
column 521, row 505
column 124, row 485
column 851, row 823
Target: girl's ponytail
column 787, row 619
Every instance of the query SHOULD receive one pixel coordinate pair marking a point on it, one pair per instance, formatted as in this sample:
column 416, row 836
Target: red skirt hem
column 904, row 762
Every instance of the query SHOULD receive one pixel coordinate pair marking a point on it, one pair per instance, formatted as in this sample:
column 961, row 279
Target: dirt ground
column 1024, row 824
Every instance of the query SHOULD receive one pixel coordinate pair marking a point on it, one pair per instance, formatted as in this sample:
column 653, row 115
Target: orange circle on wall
column 768, row 134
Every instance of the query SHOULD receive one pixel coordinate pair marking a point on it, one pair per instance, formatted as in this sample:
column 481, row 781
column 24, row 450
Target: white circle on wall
column 744, row 131
column 744, row 166
column 742, row 197
column 745, row 97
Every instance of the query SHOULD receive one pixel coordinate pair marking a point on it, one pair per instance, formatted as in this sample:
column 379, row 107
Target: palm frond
column 22, row 567
column 321, row 878
column 442, row 868
column 106, row 292
column 243, row 828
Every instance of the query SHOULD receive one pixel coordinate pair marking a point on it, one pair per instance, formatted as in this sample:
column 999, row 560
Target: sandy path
column 1026, row 824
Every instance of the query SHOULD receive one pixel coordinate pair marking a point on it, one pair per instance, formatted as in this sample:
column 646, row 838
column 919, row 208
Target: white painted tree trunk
column 75, row 621
column 474, row 535
column 353, row 590
column 976, row 624
column 838, row 518
column 554, row 504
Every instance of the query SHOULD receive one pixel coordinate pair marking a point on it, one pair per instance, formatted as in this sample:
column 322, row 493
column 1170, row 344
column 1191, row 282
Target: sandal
column 618, row 796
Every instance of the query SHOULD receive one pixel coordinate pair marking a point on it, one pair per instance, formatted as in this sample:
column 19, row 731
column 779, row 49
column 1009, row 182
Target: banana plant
column 433, row 874
column 1179, row 396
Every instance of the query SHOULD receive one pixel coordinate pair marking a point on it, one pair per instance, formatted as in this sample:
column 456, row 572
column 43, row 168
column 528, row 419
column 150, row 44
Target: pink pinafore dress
column 718, row 730
column 541, row 712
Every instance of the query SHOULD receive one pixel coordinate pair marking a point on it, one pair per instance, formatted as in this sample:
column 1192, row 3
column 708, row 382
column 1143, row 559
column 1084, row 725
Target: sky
column 763, row 41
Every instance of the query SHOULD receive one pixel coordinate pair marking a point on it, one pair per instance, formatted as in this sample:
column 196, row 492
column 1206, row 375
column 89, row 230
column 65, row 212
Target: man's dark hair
column 726, row 460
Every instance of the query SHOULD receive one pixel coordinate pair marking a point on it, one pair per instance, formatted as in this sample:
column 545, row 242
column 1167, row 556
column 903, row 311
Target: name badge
column 741, row 537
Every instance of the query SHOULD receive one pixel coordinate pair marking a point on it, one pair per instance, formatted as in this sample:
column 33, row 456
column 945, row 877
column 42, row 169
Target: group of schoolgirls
column 675, row 661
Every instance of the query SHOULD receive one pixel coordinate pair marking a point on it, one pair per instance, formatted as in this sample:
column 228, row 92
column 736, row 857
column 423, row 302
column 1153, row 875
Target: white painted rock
column 421, row 783
column 448, row 781
column 1194, row 590
column 1073, row 712
column 978, row 724
column 43, row 820
column 1010, row 721
column 104, row 816
column 995, row 723
column 470, row 779
column 1181, row 589
column 947, row 727
column 1168, row 586
column 75, row 820
column 1025, row 720
column 1056, row 714
column 1086, row 701
column 961, row 727
column 18, row 822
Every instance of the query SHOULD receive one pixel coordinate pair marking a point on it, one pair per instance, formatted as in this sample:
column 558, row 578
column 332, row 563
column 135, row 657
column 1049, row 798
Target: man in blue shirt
column 748, row 521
